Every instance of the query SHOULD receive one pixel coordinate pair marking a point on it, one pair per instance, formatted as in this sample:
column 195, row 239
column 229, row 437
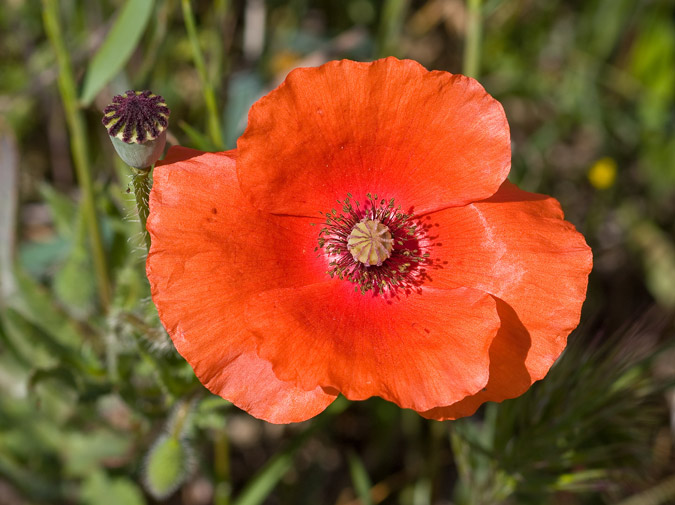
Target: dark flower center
column 136, row 116
column 377, row 246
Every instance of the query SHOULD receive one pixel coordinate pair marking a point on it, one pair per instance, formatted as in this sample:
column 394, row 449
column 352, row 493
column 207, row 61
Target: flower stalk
column 221, row 452
column 140, row 180
column 137, row 122
column 78, row 145
column 474, row 29
column 215, row 131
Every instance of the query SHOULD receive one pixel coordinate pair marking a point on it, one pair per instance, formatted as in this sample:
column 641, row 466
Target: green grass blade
column 360, row 478
column 197, row 139
column 117, row 47
column 262, row 484
column 9, row 183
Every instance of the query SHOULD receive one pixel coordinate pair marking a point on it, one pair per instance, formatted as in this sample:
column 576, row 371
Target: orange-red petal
column 518, row 247
column 390, row 127
column 418, row 350
column 210, row 250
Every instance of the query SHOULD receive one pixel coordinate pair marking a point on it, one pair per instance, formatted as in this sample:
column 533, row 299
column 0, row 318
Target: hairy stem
column 140, row 180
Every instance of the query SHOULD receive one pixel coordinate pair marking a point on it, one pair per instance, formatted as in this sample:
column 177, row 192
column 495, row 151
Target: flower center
column 375, row 246
column 370, row 242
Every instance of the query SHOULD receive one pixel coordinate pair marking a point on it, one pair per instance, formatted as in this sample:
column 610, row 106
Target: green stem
column 209, row 95
column 78, row 145
column 391, row 25
column 221, row 449
column 181, row 416
column 141, row 181
column 473, row 39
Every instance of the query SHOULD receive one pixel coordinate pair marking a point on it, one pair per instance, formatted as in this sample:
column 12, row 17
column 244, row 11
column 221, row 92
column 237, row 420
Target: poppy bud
column 170, row 460
column 136, row 122
column 167, row 465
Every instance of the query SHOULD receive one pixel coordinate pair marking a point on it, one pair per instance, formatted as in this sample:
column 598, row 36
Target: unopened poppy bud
column 136, row 122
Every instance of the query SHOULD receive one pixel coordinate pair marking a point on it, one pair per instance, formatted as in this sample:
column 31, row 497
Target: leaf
column 117, row 47
column 244, row 90
column 62, row 208
column 62, row 374
column 657, row 252
column 198, row 139
column 42, row 348
column 25, row 341
column 40, row 258
column 9, row 184
column 360, row 479
column 74, row 281
column 37, row 487
column 84, row 451
column 37, row 305
column 99, row 489
column 261, row 485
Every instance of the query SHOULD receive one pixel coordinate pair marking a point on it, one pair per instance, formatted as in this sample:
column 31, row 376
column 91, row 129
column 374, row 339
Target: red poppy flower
column 363, row 240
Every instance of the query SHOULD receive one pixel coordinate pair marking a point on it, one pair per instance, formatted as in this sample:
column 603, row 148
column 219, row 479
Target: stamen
column 377, row 247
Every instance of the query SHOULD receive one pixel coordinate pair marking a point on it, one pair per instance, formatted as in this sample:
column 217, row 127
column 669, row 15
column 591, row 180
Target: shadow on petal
column 509, row 376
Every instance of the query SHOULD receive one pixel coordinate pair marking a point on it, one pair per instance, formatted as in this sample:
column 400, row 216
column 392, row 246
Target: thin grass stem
column 214, row 128
column 391, row 25
column 474, row 33
column 78, row 145
column 221, row 449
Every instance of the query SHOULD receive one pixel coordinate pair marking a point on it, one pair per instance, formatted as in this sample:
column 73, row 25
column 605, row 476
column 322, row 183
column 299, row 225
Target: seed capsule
column 370, row 242
column 136, row 122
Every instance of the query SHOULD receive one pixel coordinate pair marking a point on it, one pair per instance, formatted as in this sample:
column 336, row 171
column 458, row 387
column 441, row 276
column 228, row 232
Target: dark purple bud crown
column 136, row 117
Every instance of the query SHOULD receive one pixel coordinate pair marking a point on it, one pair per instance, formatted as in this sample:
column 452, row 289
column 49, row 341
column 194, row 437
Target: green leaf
column 41, row 348
column 25, row 341
column 261, row 485
column 62, row 374
column 38, row 487
column 167, row 466
column 83, row 452
column 198, row 139
column 9, row 190
column 360, row 478
column 244, row 89
column 74, row 281
column 117, row 47
column 99, row 489
column 62, row 208
column 37, row 305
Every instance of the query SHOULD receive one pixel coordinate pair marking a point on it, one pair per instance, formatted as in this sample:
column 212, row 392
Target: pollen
column 370, row 242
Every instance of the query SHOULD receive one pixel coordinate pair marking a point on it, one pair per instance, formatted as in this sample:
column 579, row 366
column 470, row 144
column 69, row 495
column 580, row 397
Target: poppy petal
column 418, row 350
column 429, row 139
column 209, row 250
column 518, row 247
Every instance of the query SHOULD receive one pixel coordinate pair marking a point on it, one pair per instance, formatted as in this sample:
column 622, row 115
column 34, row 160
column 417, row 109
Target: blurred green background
column 97, row 408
